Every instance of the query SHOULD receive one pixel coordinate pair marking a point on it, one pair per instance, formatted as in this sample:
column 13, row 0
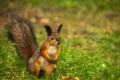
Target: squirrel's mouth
column 54, row 44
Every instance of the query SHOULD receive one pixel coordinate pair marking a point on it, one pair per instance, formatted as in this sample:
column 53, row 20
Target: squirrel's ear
column 59, row 28
column 48, row 29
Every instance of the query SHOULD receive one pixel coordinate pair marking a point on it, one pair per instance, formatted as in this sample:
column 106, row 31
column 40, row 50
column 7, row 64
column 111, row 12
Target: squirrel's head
column 53, row 37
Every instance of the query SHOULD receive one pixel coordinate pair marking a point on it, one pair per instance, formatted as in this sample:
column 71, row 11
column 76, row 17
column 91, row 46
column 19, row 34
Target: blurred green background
column 90, row 47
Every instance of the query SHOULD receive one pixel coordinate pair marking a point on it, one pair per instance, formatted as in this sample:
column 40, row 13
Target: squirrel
column 37, row 57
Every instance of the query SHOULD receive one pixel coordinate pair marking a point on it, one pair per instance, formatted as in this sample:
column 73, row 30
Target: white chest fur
column 44, row 63
column 52, row 50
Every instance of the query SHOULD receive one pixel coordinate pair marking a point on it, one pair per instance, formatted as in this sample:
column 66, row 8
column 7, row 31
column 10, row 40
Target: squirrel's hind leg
column 49, row 69
column 37, row 68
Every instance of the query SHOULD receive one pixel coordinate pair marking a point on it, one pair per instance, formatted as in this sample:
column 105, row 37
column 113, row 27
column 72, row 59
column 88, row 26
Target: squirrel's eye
column 51, row 38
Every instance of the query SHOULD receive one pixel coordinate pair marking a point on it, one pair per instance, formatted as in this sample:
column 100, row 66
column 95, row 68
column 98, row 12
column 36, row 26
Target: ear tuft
column 48, row 29
column 59, row 28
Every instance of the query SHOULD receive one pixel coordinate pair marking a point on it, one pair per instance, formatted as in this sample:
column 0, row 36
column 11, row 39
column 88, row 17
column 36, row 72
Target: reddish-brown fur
column 38, row 58
column 37, row 67
column 50, row 68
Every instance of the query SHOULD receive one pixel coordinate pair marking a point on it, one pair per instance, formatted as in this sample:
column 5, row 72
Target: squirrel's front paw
column 53, row 60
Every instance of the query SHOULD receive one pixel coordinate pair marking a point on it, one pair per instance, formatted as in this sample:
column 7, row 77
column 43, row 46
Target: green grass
column 100, row 62
column 102, row 5
column 90, row 46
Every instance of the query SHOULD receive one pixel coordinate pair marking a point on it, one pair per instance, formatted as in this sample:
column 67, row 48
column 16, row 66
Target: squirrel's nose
column 58, row 43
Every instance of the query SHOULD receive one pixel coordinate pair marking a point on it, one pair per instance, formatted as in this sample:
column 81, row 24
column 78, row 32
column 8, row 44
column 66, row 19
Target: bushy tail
column 23, row 36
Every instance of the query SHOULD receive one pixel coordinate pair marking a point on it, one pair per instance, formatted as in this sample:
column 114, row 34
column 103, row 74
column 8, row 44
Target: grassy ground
column 90, row 47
